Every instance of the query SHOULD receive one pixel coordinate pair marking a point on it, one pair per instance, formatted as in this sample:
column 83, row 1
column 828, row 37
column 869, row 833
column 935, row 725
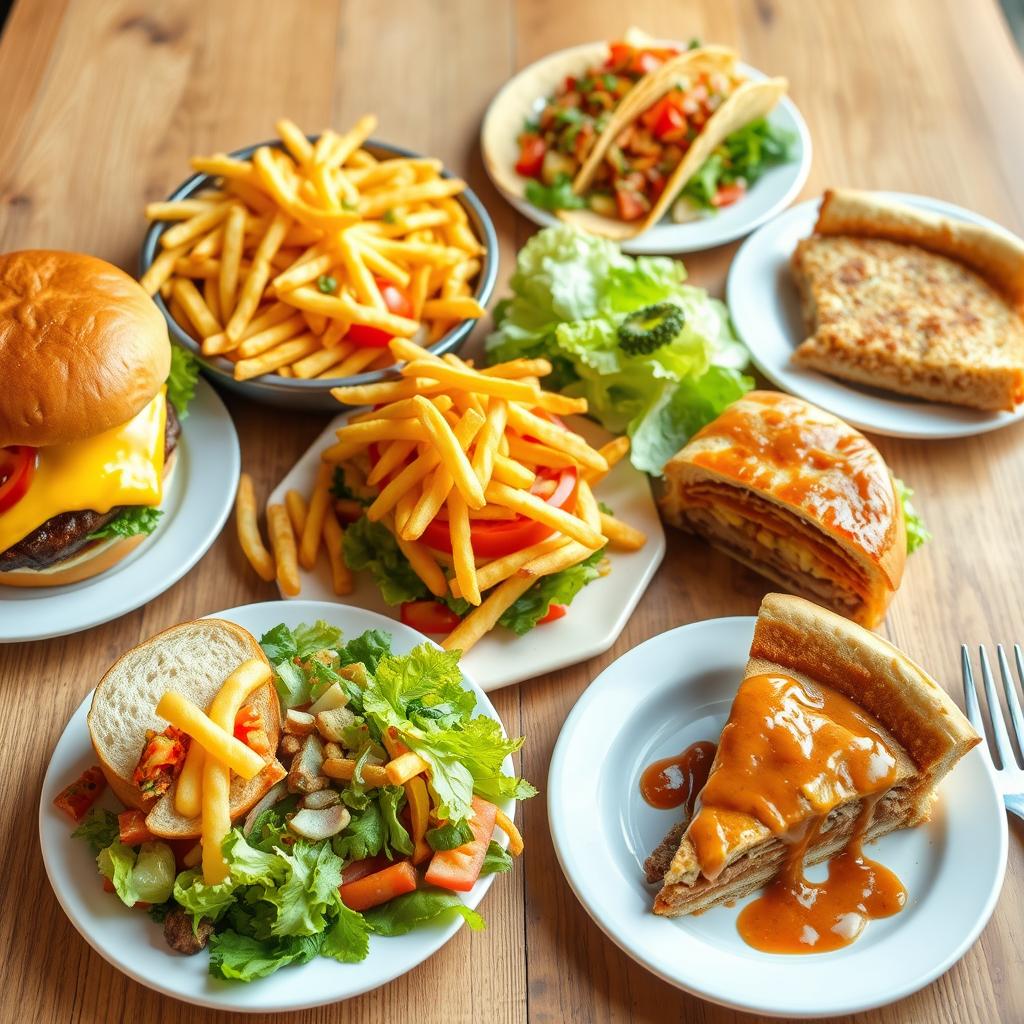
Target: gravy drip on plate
column 675, row 781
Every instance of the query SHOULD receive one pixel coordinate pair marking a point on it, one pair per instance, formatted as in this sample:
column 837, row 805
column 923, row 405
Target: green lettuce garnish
column 99, row 828
column 133, row 520
column 181, row 381
column 917, row 532
column 425, row 905
column 371, row 546
column 571, row 291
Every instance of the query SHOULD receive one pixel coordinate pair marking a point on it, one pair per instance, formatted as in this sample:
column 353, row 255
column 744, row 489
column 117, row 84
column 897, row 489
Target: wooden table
column 103, row 104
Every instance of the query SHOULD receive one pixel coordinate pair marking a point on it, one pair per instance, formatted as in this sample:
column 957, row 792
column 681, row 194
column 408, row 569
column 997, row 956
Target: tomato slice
column 459, row 869
column 429, row 616
column 17, row 467
column 631, row 205
column 397, row 302
column 555, row 612
column 728, row 194
column 531, row 155
column 76, row 799
column 494, row 538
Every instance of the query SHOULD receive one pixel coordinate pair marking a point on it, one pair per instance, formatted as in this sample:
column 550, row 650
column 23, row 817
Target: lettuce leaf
column 309, row 890
column 116, row 863
column 370, row 546
column 347, row 938
column 571, row 291
column 363, row 836
column 496, row 860
column 396, row 838
column 559, row 588
column 133, row 520
column 181, row 381
column 426, row 905
column 99, row 828
column 917, row 532
column 235, row 957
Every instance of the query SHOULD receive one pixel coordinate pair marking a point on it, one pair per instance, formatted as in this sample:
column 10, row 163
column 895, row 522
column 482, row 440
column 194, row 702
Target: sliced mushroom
column 299, row 723
column 332, row 724
column 320, row 800
column 276, row 792
column 333, row 697
column 320, row 824
column 305, row 776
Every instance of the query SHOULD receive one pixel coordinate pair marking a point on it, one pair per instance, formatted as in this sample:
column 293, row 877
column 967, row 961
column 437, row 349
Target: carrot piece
column 404, row 767
column 459, row 869
column 379, row 887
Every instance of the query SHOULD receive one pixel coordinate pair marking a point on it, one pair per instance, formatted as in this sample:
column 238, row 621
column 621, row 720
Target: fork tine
column 970, row 691
column 995, row 713
column 1012, row 701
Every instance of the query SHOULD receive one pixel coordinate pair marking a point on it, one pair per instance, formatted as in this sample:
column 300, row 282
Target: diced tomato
column 531, row 155
column 459, row 869
column 618, row 53
column 555, row 612
column 397, row 302
column 429, row 616
column 645, row 62
column 570, row 83
column 161, row 760
column 249, row 728
column 132, row 827
column 17, row 467
column 361, row 868
column 378, row 888
column 494, row 538
column 630, row 204
column 76, row 799
column 728, row 194
column 670, row 123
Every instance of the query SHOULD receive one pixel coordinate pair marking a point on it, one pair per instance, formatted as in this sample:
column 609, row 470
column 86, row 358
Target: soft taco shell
column 645, row 93
column 750, row 101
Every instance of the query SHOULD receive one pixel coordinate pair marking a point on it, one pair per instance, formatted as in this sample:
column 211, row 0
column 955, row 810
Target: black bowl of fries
column 254, row 267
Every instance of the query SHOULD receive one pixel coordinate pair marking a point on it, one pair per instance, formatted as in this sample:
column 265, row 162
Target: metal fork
column 1009, row 773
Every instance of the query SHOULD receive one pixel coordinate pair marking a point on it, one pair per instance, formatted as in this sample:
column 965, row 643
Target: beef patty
column 66, row 534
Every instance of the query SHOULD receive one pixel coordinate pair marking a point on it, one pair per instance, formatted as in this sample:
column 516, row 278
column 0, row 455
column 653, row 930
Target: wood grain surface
column 103, row 102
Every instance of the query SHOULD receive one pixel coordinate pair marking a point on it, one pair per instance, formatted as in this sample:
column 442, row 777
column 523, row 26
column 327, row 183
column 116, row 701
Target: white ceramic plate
column 765, row 310
column 135, row 945
column 675, row 689
column 598, row 614
column 522, row 97
column 200, row 494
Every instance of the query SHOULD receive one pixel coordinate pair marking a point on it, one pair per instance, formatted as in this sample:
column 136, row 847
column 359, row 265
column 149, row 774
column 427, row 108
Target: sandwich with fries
column 287, row 797
column 305, row 259
column 89, row 422
column 462, row 491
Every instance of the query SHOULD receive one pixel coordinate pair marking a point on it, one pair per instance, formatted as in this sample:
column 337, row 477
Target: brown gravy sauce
column 675, row 781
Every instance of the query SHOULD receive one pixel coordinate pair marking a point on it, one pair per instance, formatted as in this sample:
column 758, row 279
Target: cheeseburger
column 87, row 433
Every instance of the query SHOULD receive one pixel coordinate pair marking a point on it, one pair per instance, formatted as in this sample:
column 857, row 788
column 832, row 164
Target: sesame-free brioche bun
column 193, row 659
column 82, row 347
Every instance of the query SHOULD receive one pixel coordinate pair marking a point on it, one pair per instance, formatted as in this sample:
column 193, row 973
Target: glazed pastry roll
column 799, row 496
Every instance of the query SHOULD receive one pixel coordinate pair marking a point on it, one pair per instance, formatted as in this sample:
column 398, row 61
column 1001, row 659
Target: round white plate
column 522, row 97
column 199, row 498
column 675, row 689
column 598, row 614
column 135, row 945
column 765, row 310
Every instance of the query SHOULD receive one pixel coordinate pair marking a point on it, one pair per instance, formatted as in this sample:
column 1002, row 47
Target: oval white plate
column 199, row 499
column 675, row 689
column 522, row 97
column 135, row 945
column 597, row 615
column 765, row 310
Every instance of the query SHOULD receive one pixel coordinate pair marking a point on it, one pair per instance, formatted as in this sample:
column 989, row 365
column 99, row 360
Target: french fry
column 249, row 532
column 252, row 289
column 515, row 369
column 231, row 258
column 297, row 509
column 555, row 561
column 341, row 576
column 515, row 839
column 487, row 441
column 462, row 548
column 456, row 308
column 421, row 560
column 452, row 454
column 622, row 535
column 282, row 540
column 484, row 618
column 534, row 454
column 188, row 793
column 265, row 340
column 195, row 307
column 540, row 511
column 280, row 355
column 401, row 769
column 189, row 230
column 344, row 768
column 612, row 452
column 470, row 380
column 392, row 456
column 526, row 423
column 314, row 527
column 499, row 569
column 508, row 471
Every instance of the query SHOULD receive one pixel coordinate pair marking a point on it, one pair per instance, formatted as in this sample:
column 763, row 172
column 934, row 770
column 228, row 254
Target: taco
column 676, row 128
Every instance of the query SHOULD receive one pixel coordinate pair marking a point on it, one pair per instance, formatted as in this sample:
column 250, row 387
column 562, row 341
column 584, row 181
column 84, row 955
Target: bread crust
column 849, row 497
column 83, row 343
column 996, row 254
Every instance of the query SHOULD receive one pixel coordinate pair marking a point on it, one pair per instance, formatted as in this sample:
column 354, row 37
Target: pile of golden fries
column 273, row 267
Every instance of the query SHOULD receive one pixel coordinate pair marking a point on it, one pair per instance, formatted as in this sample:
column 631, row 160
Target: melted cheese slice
column 121, row 466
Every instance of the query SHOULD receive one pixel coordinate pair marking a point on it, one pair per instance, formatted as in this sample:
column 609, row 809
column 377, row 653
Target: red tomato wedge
column 429, row 616
column 555, row 612
column 17, row 467
column 459, row 869
column 76, row 799
column 381, row 886
column 361, row 868
column 132, row 828
column 728, row 194
column 497, row 537
column 531, row 155
column 397, row 302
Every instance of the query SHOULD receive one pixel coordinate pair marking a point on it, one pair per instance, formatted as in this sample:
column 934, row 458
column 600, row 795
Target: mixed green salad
column 580, row 302
column 290, row 898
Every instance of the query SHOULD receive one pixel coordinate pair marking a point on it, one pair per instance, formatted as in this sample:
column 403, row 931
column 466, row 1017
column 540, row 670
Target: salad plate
column 952, row 866
column 765, row 310
column 597, row 615
column 200, row 496
column 522, row 97
column 135, row 945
